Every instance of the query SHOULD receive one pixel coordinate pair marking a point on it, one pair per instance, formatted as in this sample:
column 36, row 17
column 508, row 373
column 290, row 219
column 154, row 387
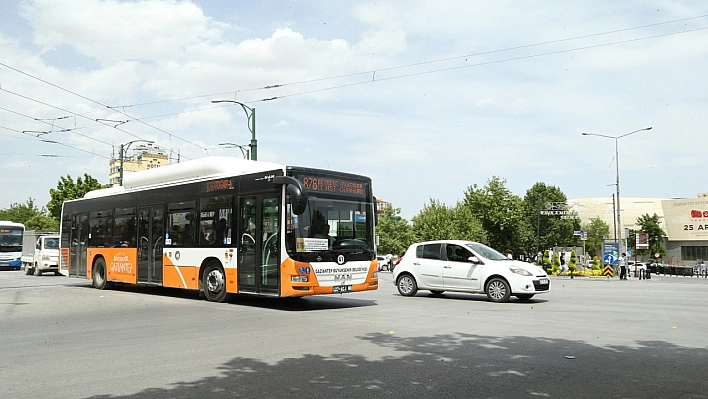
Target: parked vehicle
column 382, row 262
column 465, row 266
column 635, row 267
column 40, row 252
column 11, row 244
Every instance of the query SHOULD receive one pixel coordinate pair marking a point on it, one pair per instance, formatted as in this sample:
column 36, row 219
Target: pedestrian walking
column 704, row 270
column 564, row 267
column 622, row 266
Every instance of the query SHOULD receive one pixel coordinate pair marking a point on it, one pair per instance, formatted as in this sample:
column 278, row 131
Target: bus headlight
column 298, row 279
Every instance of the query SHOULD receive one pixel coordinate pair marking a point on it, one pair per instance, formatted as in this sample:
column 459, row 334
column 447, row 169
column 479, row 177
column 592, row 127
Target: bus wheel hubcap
column 215, row 281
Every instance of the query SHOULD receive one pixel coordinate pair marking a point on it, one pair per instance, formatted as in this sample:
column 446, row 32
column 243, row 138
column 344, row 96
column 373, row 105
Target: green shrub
column 571, row 264
column 595, row 263
column 546, row 260
column 556, row 264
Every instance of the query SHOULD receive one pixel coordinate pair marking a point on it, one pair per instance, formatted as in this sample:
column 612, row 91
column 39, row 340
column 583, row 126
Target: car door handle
column 416, row 263
column 447, row 267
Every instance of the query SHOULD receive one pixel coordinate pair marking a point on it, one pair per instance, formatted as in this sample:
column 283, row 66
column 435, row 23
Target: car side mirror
column 475, row 260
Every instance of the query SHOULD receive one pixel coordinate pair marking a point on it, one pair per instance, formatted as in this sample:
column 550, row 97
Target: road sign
column 608, row 271
column 609, row 259
column 578, row 232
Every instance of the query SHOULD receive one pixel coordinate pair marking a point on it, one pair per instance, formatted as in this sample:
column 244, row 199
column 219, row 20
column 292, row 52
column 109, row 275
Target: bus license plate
column 342, row 288
column 543, row 281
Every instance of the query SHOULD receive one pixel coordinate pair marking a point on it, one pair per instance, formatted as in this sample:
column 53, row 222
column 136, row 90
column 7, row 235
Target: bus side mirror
column 296, row 191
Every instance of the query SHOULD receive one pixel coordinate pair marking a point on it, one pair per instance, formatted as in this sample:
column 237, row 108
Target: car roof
column 461, row 242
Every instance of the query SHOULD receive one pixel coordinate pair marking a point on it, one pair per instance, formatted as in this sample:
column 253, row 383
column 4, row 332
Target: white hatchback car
column 465, row 266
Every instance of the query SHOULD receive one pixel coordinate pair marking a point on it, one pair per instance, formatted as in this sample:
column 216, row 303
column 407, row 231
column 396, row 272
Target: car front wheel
column 407, row 285
column 498, row 290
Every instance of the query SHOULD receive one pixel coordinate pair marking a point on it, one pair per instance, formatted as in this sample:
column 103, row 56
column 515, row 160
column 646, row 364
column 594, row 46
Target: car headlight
column 522, row 272
column 375, row 275
column 45, row 257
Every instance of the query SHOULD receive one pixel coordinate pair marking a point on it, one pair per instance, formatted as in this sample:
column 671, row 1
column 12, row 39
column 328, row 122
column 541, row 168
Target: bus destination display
column 332, row 185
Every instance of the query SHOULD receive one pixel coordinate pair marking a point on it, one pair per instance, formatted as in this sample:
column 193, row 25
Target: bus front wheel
column 214, row 282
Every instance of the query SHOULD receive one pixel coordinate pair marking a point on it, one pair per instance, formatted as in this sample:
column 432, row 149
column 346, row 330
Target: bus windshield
column 330, row 225
column 10, row 239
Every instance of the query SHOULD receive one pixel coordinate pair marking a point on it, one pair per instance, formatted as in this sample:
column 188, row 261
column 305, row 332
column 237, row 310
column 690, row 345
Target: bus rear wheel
column 214, row 282
column 99, row 275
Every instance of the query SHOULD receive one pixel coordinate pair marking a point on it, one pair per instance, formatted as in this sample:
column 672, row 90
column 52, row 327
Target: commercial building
column 684, row 221
column 142, row 157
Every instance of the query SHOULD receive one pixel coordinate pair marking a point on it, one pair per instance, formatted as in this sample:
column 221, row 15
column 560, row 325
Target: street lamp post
column 616, row 139
column 251, row 116
column 123, row 150
column 244, row 149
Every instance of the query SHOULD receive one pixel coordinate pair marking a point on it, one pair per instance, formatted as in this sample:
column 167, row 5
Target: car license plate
column 543, row 281
column 342, row 288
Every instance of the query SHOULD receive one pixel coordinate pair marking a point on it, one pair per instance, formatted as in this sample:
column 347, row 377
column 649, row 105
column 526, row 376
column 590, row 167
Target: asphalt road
column 588, row 338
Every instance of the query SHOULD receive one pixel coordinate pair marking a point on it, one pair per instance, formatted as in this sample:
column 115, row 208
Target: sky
column 426, row 98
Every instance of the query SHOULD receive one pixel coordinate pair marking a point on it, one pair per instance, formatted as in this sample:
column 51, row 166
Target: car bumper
column 537, row 285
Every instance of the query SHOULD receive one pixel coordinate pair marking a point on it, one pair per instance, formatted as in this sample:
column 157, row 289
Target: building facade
column 142, row 157
column 684, row 221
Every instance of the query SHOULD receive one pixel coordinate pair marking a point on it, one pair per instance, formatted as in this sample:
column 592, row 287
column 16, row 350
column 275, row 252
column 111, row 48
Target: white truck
column 40, row 252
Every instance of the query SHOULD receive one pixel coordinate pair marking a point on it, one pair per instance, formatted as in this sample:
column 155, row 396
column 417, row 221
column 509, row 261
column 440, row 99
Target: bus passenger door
column 150, row 242
column 258, row 246
column 79, row 244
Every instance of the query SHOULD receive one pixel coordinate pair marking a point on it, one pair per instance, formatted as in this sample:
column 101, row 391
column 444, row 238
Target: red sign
column 699, row 214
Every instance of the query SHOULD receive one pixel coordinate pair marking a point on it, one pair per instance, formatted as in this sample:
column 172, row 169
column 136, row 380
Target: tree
column 394, row 232
column 32, row 217
column 650, row 225
column 549, row 230
column 433, row 222
column 436, row 221
column 500, row 214
column 42, row 222
column 67, row 189
column 597, row 231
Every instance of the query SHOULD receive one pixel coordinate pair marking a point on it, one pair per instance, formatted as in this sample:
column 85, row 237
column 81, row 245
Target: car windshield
column 485, row 252
column 51, row 243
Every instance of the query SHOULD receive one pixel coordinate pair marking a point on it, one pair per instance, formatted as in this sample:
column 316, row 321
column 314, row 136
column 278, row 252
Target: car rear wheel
column 498, row 290
column 28, row 269
column 406, row 285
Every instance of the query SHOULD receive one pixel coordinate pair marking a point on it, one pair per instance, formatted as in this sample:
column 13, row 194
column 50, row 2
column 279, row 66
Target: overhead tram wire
column 368, row 81
column 95, row 102
column 54, row 142
column 63, row 130
column 368, row 73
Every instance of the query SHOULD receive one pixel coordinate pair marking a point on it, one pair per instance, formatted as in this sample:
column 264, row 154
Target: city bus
column 11, row 244
column 226, row 226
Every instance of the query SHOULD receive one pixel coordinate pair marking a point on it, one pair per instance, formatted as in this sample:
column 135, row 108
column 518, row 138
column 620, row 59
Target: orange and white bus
column 226, row 226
